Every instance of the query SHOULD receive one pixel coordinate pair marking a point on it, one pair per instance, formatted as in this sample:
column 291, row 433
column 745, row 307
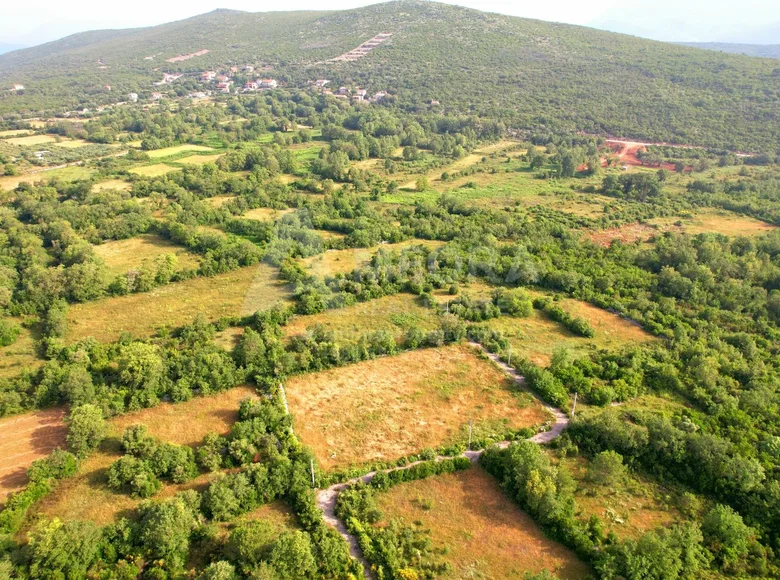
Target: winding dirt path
column 326, row 498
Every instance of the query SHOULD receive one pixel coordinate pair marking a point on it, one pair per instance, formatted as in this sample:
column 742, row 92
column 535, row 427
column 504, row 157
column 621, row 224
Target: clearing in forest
column 629, row 506
column 168, row 151
column 235, row 293
column 266, row 214
column 26, row 438
column 20, row 356
column 154, row 170
column 396, row 313
column 122, row 256
column 199, row 159
column 86, row 495
column 725, row 223
column 112, row 184
column 14, row 133
column 334, row 262
column 70, row 173
column 384, row 409
column 482, row 533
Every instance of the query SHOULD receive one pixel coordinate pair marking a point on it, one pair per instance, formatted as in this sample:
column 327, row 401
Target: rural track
column 327, row 497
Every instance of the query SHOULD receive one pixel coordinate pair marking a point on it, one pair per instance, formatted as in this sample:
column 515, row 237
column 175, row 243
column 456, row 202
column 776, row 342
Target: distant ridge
column 760, row 50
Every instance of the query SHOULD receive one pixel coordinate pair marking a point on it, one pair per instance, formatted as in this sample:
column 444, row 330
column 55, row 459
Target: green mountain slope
column 528, row 73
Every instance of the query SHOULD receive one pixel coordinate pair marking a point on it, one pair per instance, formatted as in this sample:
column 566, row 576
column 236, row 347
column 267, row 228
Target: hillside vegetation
column 525, row 72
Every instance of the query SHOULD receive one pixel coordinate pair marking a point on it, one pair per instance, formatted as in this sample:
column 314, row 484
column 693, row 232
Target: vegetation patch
column 388, row 408
column 334, row 262
column 198, row 159
column 235, row 293
column 480, row 531
column 112, row 184
column 266, row 214
column 31, row 140
column 87, row 497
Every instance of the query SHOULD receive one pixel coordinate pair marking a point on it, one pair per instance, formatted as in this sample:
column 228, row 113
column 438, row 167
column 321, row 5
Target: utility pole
column 311, row 463
column 509, row 358
column 574, row 406
column 470, row 427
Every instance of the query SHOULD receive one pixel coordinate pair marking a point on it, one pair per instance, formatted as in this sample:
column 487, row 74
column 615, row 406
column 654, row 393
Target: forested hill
column 528, row 73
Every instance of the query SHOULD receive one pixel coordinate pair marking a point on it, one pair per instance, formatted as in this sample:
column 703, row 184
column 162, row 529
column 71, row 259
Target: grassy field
column 168, row 151
column 118, row 184
column 482, row 533
column 14, row 133
column 71, row 173
column 154, row 170
column 26, row 438
column 31, row 140
column 391, row 407
column 71, row 143
column 123, row 255
column 395, row 313
column 86, row 496
column 234, row 293
column 199, row 159
column 335, row 262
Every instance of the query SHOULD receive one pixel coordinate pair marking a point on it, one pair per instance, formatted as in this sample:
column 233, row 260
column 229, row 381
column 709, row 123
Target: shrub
column 86, row 429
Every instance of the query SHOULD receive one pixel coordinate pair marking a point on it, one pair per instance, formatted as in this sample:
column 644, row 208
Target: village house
column 156, row 96
column 377, row 98
column 133, row 97
column 268, row 84
column 249, row 68
column 320, row 83
column 343, row 90
column 17, row 87
column 198, row 95
column 251, row 86
column 224, row 87
column 208, row 76
column 360, row 95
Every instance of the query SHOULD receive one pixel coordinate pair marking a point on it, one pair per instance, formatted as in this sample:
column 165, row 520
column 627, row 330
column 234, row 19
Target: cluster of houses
column 224, row 82
column 357, row 95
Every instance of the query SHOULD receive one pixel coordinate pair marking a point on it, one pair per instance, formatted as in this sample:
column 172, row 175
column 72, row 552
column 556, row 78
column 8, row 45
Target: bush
column 135, row 476
column 58, row 465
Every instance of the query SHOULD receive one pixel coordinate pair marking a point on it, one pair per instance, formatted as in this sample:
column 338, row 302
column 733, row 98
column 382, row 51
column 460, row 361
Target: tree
column 292, row 556
column 727, row 536
column 86, row 429
column 165, row 528
column 421, row 184
column 220, row 570
column 607, row 469
column 63, row 549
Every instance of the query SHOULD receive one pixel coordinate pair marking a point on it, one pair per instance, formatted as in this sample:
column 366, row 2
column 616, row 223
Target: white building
column 133, row 97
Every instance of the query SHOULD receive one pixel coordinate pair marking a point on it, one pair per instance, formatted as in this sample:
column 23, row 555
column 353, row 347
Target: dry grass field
column 391, row 407
column 117, row 184
column 199, row 159
column 395, row 313
column 71, row 143
column 335, row 262
column 266, row 214
column 86, row 497
column 168, row 151
column 123, row 255
column 154, row 170
column 26, row 438
column 483, row 533
column 234, row 293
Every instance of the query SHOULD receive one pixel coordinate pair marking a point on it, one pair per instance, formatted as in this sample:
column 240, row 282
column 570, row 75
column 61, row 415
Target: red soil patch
column 25, row 438
column 627, row 151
